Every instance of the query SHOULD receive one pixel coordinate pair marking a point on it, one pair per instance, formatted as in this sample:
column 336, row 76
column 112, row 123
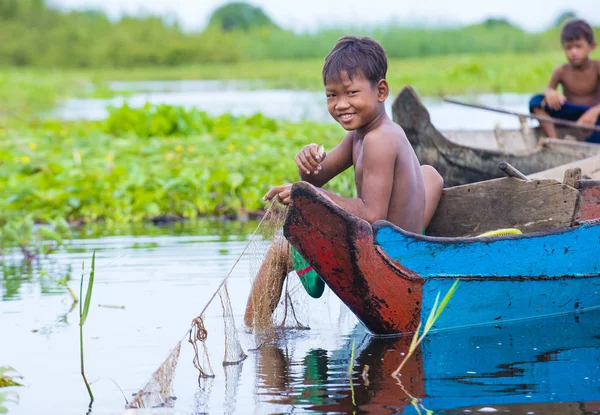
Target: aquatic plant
column 434, row 314
column 120, row 170
column 8, row 377
column 84, row 308
column 33, row 240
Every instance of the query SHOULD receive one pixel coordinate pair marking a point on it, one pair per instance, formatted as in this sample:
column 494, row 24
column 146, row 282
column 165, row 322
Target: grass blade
column 445, row 300
column 88, row 294
column 432, row 314
column 81, row 291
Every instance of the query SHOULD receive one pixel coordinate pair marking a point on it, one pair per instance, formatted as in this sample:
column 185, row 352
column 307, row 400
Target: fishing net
column 274, row 300
column 273, row 303
column 158, row 391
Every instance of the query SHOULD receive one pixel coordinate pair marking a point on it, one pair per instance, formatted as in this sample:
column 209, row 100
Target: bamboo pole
column 557, row 121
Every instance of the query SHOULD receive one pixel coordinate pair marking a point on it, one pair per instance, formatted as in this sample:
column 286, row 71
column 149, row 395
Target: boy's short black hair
column 576, row 29
column 356, row 55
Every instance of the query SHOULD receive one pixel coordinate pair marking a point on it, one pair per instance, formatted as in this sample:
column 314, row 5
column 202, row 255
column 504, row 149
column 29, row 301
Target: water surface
column 163, row 277
column 247, row 98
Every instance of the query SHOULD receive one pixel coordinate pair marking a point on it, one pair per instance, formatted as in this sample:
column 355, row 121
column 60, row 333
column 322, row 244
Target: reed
column 436, row 312
column 84, row 308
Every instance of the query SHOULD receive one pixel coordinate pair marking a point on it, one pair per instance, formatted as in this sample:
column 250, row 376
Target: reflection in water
column 540, row 366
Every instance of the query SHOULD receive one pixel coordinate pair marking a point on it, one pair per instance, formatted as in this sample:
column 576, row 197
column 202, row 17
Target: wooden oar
column 535, row 117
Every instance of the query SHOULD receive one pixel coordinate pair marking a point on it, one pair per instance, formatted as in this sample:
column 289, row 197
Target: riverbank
column 26, row 93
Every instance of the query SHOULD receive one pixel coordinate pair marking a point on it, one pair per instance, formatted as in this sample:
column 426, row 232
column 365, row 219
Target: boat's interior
column 527, row 205
column 516, row 141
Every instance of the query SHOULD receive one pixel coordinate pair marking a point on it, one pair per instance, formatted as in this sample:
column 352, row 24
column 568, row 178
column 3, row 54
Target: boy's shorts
column 568, row 111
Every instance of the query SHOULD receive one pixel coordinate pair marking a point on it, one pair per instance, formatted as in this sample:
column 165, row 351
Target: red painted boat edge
column 339, row 246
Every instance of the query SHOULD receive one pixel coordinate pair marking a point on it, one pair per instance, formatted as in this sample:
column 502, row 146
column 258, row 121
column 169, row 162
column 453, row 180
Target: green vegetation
column 143, row 163
column 8, row 377
column 84, row 309
column 237, row 32
column 239, row 16
column 33, row 240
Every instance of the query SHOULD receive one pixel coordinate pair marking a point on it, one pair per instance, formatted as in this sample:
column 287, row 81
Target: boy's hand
column 590, row 116
column 309, row 158
column 284, row 192
column 554, row 99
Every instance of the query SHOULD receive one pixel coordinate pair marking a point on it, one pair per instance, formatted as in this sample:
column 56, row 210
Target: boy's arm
column 554, row 99
column 555, row 78
column 335, row 162
column 377, row 181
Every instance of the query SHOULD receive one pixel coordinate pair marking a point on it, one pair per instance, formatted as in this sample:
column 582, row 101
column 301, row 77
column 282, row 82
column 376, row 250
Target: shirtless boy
column 390, row 182
column 580, row 80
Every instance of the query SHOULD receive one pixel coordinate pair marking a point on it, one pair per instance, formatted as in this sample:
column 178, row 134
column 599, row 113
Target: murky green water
column 163, row 277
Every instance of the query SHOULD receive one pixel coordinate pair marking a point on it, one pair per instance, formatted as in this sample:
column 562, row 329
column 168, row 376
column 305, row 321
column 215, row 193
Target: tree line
column 33, row 33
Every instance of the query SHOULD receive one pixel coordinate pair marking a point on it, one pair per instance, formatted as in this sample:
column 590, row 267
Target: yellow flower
column 179, row 148
column 250, row 149
column 231, row 147
column 25, row 160
column 109, row 157
column 191, row 149
column 32, row 146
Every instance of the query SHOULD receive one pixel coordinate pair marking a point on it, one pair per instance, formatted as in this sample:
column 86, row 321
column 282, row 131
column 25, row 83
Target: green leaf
column 88, row 294
column 430, row 318
column 413, row 342
column 50, row 235
column 445, row 300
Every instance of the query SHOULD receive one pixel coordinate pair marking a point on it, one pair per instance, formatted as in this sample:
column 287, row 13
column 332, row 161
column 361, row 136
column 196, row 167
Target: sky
column 307, row 15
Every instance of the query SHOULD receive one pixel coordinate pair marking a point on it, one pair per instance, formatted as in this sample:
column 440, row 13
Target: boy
column 389, row 180
column 580, row 80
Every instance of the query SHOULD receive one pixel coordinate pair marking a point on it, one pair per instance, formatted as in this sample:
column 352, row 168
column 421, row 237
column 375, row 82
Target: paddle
column 535, row 117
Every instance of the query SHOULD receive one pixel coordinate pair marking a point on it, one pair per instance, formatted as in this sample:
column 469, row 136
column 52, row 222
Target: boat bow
column 339, row 246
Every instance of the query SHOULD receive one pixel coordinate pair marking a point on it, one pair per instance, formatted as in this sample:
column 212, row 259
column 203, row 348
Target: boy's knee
column 432, row 177
column 537, row 101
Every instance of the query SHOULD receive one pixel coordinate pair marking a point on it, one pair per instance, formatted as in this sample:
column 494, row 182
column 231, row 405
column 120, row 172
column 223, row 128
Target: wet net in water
column 270, row 261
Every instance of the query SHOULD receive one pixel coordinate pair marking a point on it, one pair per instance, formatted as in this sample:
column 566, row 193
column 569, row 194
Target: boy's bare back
column 384, row 158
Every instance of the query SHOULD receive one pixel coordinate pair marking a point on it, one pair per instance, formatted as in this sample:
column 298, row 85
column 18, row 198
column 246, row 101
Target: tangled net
column 262, row 313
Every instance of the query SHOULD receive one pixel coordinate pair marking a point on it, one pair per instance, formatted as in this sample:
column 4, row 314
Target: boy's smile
column 354, row 103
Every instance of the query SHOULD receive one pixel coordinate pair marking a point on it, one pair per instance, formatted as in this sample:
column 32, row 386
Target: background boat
column 470, row 156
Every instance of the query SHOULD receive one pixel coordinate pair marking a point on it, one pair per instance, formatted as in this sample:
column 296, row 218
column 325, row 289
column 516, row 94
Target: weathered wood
column 460, row 164
column 530, row 206
column 590, row 169
column 510, row 171
column 572, row 177
column 589, row 203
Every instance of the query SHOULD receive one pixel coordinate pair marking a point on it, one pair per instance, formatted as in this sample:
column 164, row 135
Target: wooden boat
column 389, row 278
column 589, row 168
column 470, row 156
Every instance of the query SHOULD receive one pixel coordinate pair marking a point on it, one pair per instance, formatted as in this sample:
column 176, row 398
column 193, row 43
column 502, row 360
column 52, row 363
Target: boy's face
column 355, row 103
column 578, row 51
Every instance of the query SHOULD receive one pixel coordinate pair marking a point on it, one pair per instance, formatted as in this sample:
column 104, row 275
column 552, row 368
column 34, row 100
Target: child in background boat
column 390, row 182
column 580, row 80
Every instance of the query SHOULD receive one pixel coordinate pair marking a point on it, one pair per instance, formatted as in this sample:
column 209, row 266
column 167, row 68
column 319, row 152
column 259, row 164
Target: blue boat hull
column 390, row 278
column 502, row 278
